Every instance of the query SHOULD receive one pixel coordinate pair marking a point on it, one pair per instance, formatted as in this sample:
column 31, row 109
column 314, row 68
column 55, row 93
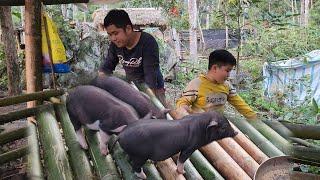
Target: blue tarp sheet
column 296, row 79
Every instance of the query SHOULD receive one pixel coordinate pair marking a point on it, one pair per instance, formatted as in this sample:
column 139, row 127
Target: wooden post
column 33, row 50
column 192, row 8
column 13, row 135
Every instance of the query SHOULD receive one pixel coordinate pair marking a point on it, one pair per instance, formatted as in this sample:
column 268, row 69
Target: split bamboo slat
column 104, row 165
column 13, row 154
column 54, row 153
column 34, row 167
column 40, row 96
column 249, row 146
column 13, row 135
column 77, row 157
column 19, row 114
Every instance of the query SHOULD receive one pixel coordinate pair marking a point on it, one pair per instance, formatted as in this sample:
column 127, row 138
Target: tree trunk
column 226, row 23
column 306, row 12
column 10, row 49
column 192, row 8
column 302, row 13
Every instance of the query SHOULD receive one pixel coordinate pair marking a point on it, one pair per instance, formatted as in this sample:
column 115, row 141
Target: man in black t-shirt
column 138, row 52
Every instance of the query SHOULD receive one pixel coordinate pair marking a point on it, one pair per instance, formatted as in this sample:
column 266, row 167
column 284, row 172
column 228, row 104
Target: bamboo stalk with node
column 77, row 157
column 54, row 153
column 105, row 166
column 40, row 96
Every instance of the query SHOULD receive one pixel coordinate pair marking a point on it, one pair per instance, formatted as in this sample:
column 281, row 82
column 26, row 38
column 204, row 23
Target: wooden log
column 221, row 160
column 15, row 115
column 190, row 171
column 13, row 155
column 121, row 159
column 54, row 153
column 34, row 167
column 259, row 140
column 303, row 131
column 104, row 165
column 249, row 146
column 167, row 169
column 206, row 170
column 40, row 96
column 46, row 2
column 33, row 50
column 78, row 160
column 13, row 135
column 239, row 155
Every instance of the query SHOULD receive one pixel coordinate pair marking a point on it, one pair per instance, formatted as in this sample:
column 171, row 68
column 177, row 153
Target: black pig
column 98, row 110
column 160, row 139
column 126, row 93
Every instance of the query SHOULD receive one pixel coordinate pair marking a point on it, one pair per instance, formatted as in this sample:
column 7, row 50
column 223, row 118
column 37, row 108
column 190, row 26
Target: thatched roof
column 140, row 17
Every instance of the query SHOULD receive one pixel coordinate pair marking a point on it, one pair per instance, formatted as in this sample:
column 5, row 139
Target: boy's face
column 220, row 74
column 119, row 36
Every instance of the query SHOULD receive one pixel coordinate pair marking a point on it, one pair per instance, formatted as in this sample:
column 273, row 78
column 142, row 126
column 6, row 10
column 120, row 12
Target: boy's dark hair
column 117, row 17
column 221, row 57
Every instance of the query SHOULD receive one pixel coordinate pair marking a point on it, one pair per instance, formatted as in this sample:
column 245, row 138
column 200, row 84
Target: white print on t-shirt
column 133, row 62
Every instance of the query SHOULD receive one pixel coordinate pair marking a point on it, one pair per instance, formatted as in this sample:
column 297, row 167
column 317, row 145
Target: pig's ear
column 148, row 116
column 212, row 124
column 118, row 129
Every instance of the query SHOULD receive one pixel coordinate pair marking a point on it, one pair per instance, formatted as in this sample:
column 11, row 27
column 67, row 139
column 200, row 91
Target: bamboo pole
column 239, row 155
column 54, row 153
column 104, row 165
column 260, row 141
column 206, row 170
column 40, row 96
column 303, row 131
column 13, row 135
column 15, row 115
column 283, row 131
column 34, row 167
column 78, row 160
column 249, row 146
column 221, row 160
column 13, row 155
column 121, row 160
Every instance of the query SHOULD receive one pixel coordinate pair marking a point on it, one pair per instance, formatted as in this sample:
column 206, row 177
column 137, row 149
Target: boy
column 210, row 92
column 138, row 52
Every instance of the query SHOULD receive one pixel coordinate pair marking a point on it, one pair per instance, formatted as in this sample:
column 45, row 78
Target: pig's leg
column 184, row 155
column 103, row 140
column 137, row 164
column 81, row 139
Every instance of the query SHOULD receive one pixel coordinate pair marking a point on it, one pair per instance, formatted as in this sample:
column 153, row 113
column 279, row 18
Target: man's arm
column 109, row 64
column 151, row 64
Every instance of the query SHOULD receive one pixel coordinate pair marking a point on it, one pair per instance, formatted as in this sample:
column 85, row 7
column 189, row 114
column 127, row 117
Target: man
column 138, row 52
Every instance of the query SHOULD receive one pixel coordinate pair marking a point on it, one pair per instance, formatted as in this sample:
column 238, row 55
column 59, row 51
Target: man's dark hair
column 221, row 57
column 117, row 17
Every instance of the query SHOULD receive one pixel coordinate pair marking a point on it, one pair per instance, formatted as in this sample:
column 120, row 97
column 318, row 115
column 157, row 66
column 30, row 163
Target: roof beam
column 46, row 2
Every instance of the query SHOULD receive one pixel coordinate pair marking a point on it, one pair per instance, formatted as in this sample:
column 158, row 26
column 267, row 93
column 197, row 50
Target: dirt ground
column 14, row 169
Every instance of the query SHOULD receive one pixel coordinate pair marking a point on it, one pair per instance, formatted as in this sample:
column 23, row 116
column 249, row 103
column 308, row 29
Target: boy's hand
column 183, row 111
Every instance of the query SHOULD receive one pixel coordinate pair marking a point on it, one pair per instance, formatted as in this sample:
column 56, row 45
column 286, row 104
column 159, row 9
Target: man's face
column 222, row 73
column 119, row 36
